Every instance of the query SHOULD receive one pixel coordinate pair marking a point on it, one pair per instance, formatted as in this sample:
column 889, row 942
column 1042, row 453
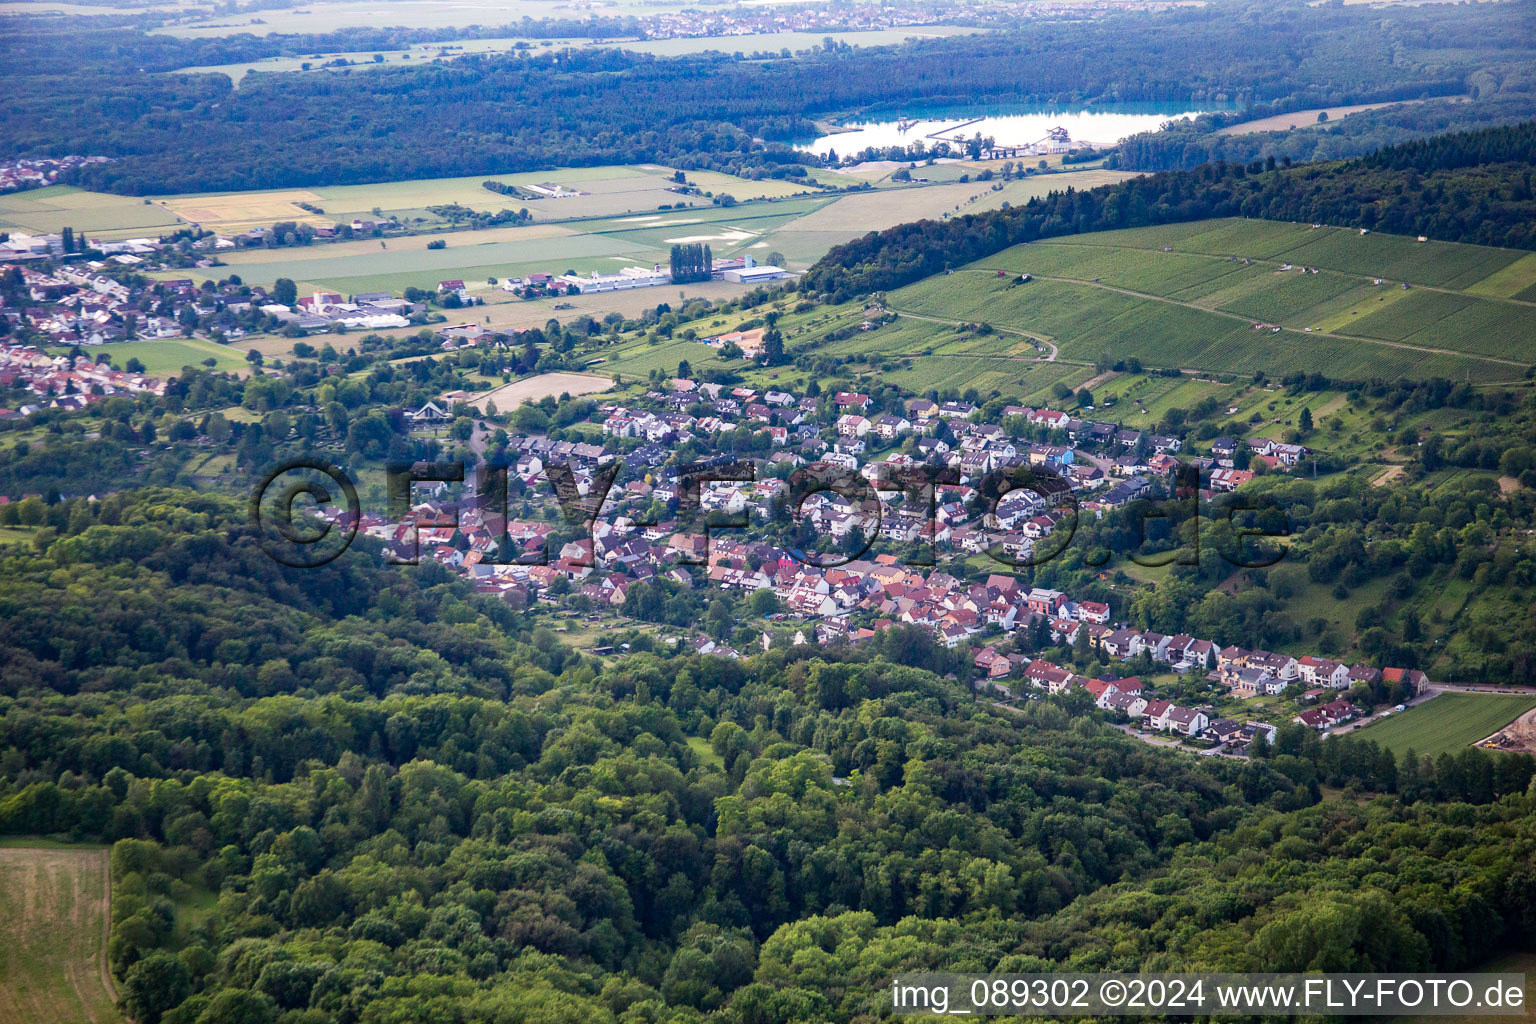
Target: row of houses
column 82, row 303
column 38, row 172
column 1126, row 698
column 60, row 382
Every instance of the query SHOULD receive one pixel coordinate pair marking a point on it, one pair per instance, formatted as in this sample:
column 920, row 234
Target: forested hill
column 1464, row 187
column 1186, row 144
column 394, row 803
column 504, row 113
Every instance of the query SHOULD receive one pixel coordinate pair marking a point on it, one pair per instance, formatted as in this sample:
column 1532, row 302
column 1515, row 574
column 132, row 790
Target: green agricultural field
column 100, row 215
column 638, row 360
column 807, row 239
column 779, row 211
column 1141, row 400
column 428, row 266
column 474, row 278
column 1087, row 321
column 1029, row 381
column 1155, row 272
column 400, row 195
column 1246, row 239
column 723, row 236
column 53, row 935
column 166, row 357
column 742, row 188
column 1466, row 323
column 1399, row 258
column 1394, row 257
column 1190, row 295
column 1278, row 297
column 1449, row 722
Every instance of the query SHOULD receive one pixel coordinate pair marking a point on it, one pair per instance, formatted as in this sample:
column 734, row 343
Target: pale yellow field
column 54, row 916
column 873, row 211
column 241, row 211
column 531, row 389
column 1302, row 118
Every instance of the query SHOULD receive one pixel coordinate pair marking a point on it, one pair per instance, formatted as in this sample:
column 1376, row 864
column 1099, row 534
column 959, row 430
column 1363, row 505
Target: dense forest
column 1184, row 145
column 497, row 114
column 372, row 795
column 1465, row 187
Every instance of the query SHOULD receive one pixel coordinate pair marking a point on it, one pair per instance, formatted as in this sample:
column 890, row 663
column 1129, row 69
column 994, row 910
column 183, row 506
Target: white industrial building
column 754, row 275
column 629, row 277
column 745, row 270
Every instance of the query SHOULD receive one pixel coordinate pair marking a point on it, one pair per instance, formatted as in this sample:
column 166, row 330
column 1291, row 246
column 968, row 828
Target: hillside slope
column 1471, row 187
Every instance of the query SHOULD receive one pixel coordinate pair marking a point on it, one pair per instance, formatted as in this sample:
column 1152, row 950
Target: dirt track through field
column 55, row 915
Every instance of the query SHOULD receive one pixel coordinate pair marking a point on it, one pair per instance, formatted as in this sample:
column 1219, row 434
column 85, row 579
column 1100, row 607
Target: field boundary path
column 55, row 921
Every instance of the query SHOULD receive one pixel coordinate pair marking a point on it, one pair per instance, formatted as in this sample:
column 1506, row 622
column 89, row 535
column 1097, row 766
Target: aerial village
column 50, row 294
column 641, row 535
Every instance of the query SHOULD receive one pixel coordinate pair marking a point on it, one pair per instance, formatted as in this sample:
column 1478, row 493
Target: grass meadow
column 163, row 357
column 1448, row 722
column 53, row 935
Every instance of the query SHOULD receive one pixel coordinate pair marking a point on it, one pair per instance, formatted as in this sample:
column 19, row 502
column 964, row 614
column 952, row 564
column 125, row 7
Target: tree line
column 691, row 261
